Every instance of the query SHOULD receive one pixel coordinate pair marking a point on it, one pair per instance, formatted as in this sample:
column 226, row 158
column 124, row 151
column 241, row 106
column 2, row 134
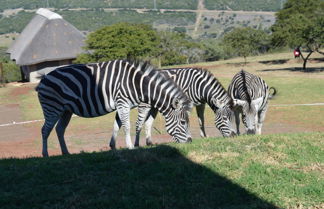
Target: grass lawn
column 270, row 171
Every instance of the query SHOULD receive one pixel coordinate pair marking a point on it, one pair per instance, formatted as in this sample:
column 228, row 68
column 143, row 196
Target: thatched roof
column 47, row 37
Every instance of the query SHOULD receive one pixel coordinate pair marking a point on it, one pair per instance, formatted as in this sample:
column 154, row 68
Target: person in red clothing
column 297, row 52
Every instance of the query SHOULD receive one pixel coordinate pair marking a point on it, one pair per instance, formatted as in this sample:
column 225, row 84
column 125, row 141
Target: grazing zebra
column 96, row 89
column 201, row 87
column 250, row 94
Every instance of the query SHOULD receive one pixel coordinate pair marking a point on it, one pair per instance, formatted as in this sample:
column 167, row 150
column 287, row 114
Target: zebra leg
column 123, row 113
column 117, row 125
column 148, row 126
column 200, row 113
column 261, row 117
column 46, row 130
column 143, row 115
column 237, row 121
column 60, row 130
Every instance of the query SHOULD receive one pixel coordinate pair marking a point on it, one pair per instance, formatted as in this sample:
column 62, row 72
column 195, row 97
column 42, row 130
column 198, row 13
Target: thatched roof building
column 47, row 41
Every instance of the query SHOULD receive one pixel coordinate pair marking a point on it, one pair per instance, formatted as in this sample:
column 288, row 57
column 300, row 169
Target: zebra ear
column 238, row 102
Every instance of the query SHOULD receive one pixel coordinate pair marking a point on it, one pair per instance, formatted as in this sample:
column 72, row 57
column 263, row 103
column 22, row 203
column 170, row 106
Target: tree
column 300, row 24
column 121, row 41
column 246, row 41
column 177, row 48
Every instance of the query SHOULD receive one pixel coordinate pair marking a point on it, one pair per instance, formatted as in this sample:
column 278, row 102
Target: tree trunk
column 306, row 58
column 159, row 62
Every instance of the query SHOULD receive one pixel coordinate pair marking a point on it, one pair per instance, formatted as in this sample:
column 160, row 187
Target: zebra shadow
column 157, row 177
column 296, row 69
column 274, row 62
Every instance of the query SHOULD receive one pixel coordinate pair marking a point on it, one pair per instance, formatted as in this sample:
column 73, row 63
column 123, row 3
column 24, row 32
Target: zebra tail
column 39, row 77
column 271, row 96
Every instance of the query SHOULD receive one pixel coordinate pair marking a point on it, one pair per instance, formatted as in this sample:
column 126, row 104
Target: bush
column 11, row 72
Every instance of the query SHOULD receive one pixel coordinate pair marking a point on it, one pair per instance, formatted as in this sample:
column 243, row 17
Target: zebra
column 201, row 87
column 250, row 95
column 92, row 90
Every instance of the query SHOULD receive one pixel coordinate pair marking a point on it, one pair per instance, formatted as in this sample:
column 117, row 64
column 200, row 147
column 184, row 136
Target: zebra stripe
column 201, row 87
column 250, row 94
column 96, row 89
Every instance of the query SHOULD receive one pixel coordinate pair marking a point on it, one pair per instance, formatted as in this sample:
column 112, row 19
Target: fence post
column 1, row 75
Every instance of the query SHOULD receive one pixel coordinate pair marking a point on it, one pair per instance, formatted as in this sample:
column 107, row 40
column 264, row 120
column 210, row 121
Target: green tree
column 177, row 48
column 121, row 41
column 246, row 41
column 300, row 24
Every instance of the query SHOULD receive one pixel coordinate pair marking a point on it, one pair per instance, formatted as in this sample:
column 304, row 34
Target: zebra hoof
column 149, row 142
column 112, row 146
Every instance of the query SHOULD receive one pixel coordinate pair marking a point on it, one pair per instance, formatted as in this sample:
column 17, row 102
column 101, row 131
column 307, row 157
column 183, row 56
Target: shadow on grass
column 158, row 177
column 274, row 62
column 296, row 69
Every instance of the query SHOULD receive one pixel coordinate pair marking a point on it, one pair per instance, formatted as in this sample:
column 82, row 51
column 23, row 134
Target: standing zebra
column 93, row 90
column 250, row 94
column 201, row 87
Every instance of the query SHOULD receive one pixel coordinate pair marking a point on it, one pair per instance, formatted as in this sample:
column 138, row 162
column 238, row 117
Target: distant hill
column 198, row 18
column 245, row 5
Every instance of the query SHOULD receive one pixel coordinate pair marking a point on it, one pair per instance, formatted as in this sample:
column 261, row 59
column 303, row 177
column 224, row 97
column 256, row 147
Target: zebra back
column 248, row 87
column 94, row 89
column 200, row 85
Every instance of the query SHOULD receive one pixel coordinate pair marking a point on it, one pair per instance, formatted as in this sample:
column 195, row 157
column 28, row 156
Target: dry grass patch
column 199, row 157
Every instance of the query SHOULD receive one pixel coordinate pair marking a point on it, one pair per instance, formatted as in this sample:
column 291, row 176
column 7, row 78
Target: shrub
column 11, row 72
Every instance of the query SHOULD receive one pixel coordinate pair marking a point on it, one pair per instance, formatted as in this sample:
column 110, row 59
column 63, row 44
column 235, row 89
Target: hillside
column 236, row 5
column 203, row 19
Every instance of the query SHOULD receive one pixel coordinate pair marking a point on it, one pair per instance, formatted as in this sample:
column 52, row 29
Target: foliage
column 121, row 41
column 300, row 24
column 15, row 23
column 137, row 41
column 91, row 20
column 213, row 50
column 246, row 41
column 177, row 48
column 245, row 5
column 11, row 72
column 268, row 171
column 63, row 4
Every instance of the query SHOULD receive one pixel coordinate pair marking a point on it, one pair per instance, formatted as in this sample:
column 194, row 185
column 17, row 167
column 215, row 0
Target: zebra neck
column 216, row 95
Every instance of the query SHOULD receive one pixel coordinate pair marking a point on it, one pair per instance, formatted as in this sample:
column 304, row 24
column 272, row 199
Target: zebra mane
column 245, row 89
column 147, row 67
column 210, row 74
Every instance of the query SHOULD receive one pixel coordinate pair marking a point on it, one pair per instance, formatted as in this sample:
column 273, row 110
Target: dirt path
column 24, row 140
column 200, row 8
column 15, row 141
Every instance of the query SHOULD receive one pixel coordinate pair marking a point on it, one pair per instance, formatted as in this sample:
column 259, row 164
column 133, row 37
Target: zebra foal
column 250, row 94
column 93, row 90
column 202, row 88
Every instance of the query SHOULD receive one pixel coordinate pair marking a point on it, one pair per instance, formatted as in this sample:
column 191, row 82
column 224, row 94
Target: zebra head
column 177, row 120
column 249, row 113
column 224, row 118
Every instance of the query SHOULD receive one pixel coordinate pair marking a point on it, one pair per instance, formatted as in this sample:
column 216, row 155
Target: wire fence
column 39, row 120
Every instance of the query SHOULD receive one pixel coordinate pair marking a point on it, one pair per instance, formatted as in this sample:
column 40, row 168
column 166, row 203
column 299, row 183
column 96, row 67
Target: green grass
column 245, row 172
